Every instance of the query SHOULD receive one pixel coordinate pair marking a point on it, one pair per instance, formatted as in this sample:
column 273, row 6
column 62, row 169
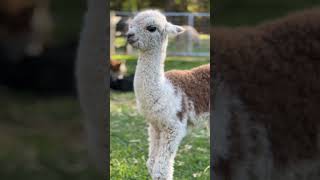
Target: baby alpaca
column 169, row 101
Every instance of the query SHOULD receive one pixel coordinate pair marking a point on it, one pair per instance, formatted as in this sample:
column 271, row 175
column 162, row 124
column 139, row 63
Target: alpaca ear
column 174, row 29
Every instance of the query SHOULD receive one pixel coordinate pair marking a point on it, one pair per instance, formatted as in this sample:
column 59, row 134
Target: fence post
column 190, row 23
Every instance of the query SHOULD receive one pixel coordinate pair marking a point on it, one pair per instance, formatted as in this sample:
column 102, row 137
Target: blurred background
column 128, row 131
column 41, row 125
column 251, row 12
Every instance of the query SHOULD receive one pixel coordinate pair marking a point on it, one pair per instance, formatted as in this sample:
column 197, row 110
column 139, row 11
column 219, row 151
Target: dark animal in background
column 118, row 80
column 122, row 26
column 117, row 69
column 125, row 84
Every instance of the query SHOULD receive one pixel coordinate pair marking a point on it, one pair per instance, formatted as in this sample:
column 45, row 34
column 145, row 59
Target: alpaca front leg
column 154, row 138
column 170, row 139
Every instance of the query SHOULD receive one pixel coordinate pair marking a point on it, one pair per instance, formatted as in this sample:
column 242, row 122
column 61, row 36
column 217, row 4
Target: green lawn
column 129, row 145
column 42, row 138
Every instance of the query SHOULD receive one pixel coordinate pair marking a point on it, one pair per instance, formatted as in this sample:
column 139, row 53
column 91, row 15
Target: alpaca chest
column 156, row 101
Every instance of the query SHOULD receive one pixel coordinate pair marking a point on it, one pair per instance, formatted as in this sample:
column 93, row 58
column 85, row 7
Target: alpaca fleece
column 270, row 74
column 192, row 82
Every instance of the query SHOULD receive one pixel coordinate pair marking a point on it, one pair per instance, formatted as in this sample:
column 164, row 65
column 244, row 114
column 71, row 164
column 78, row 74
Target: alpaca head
column 150, row 29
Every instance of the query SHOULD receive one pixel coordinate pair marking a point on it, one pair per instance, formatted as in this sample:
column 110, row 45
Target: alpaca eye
column 151, row 28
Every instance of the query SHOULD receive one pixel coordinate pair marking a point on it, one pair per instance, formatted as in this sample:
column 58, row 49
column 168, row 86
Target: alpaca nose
column 130, row 38
column 130, row 35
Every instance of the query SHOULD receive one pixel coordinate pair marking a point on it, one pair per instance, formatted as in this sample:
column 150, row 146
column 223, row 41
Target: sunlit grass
column 204, row 36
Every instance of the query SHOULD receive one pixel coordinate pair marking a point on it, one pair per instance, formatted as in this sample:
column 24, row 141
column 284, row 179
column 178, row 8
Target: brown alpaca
column 266, row 116
column 117, row 69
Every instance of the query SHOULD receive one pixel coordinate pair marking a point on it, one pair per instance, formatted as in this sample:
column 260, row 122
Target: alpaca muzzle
column 131, row 38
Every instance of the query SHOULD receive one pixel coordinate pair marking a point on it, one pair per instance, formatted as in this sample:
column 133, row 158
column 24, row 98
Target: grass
column 42, row 138
column 128, row 134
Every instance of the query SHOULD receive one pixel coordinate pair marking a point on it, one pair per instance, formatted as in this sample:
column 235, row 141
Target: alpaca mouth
column 132, row 41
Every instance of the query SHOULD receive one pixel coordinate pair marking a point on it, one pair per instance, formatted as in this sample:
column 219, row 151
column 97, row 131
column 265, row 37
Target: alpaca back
column 195, row 84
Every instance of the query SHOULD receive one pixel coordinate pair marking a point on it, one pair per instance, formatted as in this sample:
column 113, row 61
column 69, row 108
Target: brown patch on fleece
column 275, row 70
column 195, row 85
column 181, row 114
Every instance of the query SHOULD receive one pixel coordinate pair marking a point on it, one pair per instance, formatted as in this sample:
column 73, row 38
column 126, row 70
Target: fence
column 195, row 41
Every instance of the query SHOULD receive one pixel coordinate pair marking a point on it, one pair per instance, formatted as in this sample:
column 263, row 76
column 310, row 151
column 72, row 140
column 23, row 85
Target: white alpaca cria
column 169, row 101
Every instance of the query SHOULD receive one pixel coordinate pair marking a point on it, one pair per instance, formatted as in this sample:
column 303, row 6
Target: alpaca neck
column 150, row 67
